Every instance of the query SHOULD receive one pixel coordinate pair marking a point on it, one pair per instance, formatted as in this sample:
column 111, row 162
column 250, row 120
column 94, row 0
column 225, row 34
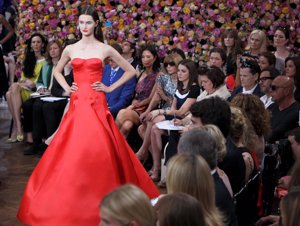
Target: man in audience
column 200, row 142
column 265, row 81
column 249, row 73
column 128, row 52
column 285, row 113
column 121, row 97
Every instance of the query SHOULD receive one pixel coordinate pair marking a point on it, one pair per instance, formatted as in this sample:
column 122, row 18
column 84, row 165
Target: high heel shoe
column 20, row 137
column 11, row 140
column 155, row 175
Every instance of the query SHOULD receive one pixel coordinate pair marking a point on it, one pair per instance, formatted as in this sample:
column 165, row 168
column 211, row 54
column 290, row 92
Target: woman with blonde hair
column 190, row 174
column 127, row 205
column 257, row 43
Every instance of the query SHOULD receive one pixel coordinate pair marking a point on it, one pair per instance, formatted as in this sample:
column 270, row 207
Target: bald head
column 285, row 82
column 282, row 91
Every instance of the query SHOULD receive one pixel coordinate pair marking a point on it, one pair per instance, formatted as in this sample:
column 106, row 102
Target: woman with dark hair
column 20, row 91
column 185, row 96
column 88, row 157
column 212, row 81
column 281, row 39
column 292, row 70
column 144, row 90
column 231, row 43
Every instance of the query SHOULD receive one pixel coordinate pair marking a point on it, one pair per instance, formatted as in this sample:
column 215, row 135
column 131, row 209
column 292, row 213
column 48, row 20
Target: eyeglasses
column 172, row 64
column 274, row 88
column 265, row 78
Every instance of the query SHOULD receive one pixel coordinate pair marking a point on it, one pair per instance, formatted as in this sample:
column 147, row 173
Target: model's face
column 215, row 60
column 229, row 41
column 263, row 62
column 255, row 42
column 37, row 44
column 207, row 84
column 290, row 69
column 54, row 51
column 279, row 39
column 86, row 25
column 106, row 220
column 248, row 80
column 148, row 59
column 265, row 81
column 183, row 73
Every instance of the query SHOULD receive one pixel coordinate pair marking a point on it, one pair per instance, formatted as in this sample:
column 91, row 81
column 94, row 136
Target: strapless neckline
column 85, row 59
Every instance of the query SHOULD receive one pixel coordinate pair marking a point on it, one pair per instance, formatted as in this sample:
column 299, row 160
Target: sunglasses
column 274, row 88
column 265, row 79
column 172, row 64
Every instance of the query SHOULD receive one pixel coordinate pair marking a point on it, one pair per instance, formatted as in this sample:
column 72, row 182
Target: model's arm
column 9, row 28
column 65, row 58
column 129, row 70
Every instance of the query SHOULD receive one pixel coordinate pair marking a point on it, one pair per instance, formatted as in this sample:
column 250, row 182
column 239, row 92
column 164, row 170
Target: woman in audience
column 211, row 80
column 20, row 91
column 43, row 85
column 243, row 137
column 179, row 209
column 185, row 95
column 190, row 174
column 257, row 43
column 266, row 59
column 259, row 117
column 292, row 70
column 127, row 205
column 144, row 90
column 281, row 39
column 290, row 208
column 231, row 43
column 165, row 90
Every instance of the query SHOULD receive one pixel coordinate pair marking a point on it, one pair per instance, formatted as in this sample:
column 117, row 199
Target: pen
column 174, row 118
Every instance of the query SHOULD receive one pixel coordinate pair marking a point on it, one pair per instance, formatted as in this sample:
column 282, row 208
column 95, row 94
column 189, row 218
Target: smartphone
column 108, row 24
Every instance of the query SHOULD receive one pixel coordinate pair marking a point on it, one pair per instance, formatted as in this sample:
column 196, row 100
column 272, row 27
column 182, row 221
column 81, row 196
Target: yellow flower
column 186, row 10
column 35, row 2
column 180, row 3
column 32, row 25
column 68, row 12
column 150, row 20
column 177, row 24
column 166, row 40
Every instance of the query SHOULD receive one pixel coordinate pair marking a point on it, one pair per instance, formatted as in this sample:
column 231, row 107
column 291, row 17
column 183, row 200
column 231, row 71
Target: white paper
column 52, row 99
column 168, row 125
column 36, row 94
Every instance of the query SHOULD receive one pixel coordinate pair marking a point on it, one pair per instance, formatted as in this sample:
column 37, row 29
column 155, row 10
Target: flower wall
column 193, row 25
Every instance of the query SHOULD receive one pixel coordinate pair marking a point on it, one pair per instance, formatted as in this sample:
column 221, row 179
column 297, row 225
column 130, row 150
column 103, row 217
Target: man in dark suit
column 200, row 142
column 249, row 73
column 121, row 97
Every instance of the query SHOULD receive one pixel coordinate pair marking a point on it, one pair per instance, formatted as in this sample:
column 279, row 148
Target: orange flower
column 180, row 3
column 285, row 10
column 166, row 40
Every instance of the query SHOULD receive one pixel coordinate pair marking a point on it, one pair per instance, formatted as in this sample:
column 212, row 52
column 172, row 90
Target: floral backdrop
column 193, row 25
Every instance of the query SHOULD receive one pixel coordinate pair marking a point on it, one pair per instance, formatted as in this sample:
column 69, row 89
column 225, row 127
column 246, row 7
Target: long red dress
column 87, row 158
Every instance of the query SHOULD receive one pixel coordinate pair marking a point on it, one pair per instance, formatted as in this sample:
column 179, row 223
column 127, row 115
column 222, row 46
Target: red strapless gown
column 87, row 159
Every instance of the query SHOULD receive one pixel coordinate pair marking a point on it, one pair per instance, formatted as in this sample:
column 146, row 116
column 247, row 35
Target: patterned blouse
column 168, row 86
column 144, row 87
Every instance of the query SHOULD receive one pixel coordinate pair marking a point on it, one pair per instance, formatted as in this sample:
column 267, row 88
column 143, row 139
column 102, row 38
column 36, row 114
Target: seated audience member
column 20, row 91
column 231, row 43
column 257, row 43
column 212, row 80
column 281, row 40
column 122, row 96
column 179, row 209
column 200, row 143
column 249, row 74
column 190, row 173
column 290, row 208
column 177, row 51
column 267, row 59
column 127, row 205
column 292, row 70
column 43, row 86
column 244, row 138
column 185, row 95
column 129, row 52
column 166, row 85
column 265, row 81
column 144, row 90
column 4, row 37
column 285, row 114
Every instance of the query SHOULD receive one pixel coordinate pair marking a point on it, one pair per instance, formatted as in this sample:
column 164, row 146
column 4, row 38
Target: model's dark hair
column 47, row 55
column 221, row 52
column 30, row 58
column 192, row 67
column 91, row 11
column 214, row 74
column 152, row 49
column 296, row 61
column 213, row 110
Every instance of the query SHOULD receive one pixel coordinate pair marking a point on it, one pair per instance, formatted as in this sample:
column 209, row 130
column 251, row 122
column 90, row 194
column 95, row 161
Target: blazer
column 256, row 92
column 122, row 96
column 44, row 78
